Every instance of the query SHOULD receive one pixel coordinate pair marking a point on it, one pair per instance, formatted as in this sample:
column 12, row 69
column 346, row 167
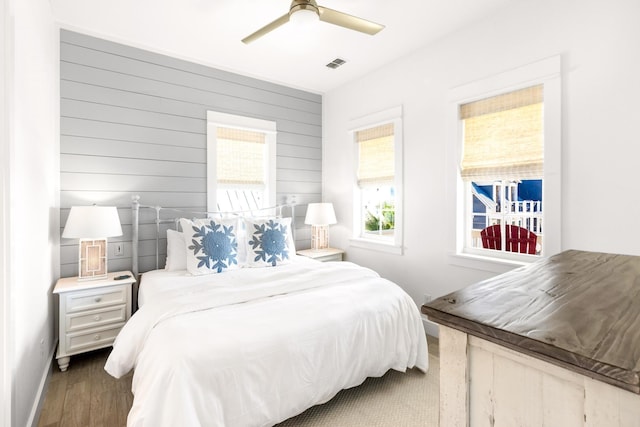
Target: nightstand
column 91, row 313
column 329, row 254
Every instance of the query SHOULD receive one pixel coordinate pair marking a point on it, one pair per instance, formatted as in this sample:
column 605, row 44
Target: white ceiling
column 209, row 32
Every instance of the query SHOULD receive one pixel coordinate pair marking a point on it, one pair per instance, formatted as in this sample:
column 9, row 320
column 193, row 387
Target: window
column 378, row 173
column 508, row 157
column 240, row 162
column 502, row 156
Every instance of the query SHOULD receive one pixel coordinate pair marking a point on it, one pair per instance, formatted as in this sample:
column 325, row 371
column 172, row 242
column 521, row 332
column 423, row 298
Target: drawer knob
column 96, row 337
column 96, row 317
column 98, row 299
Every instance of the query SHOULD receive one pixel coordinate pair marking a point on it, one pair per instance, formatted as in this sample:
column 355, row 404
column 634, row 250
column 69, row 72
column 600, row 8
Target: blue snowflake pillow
column 269, row 242
column 212, row 246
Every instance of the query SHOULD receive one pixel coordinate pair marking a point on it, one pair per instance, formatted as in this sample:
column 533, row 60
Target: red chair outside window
column 518, row 239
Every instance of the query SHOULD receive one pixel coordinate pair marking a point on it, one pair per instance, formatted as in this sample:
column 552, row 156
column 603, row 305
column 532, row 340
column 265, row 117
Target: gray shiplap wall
column 134, row 122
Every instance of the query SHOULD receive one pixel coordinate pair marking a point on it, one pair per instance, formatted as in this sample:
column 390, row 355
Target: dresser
column 91, row 313
column 553, row 343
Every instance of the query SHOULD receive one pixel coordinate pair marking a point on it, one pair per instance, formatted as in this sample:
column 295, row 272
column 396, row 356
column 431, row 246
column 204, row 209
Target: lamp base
column 92, row 259
column 319, row 237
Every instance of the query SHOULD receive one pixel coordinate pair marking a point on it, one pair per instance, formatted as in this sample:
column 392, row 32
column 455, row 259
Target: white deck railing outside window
column 526, row 214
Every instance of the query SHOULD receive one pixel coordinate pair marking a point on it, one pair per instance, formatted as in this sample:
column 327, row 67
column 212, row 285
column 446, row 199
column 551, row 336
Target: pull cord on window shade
column 376, row 157
column 503, row 136
column 240, row 157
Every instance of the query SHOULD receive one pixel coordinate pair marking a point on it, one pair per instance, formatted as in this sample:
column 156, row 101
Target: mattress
column 255, row 346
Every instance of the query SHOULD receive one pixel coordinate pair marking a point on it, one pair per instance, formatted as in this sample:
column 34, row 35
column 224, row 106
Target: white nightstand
column 329, row 254
column 91, row 313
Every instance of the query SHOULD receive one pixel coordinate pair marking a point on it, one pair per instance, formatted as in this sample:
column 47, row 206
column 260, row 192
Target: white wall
column 33, row 202
column 598, row 41
column 5, row 335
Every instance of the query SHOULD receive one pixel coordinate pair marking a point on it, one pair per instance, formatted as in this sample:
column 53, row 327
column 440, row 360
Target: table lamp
column 320, row 216
column 92, row 225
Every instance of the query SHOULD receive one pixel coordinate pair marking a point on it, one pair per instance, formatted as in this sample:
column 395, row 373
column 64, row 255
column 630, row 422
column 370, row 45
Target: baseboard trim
column 430, row 327
column 34, row 416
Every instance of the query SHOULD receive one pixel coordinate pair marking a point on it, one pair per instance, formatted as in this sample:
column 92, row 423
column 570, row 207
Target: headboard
column 175, row 214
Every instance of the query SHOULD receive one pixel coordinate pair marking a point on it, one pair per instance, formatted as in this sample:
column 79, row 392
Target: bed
column 256, row 344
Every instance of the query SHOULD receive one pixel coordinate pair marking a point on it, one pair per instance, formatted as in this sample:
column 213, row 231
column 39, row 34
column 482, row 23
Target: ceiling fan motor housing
column 310, row 5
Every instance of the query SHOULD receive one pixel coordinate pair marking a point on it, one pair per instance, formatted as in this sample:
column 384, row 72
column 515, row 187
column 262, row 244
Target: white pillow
column 211, row 245
column 242, row 245
column 269, row 241
column 176, row 252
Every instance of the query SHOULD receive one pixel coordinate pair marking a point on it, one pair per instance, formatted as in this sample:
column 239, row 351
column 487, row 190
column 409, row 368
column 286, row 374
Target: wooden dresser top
column 579, row 310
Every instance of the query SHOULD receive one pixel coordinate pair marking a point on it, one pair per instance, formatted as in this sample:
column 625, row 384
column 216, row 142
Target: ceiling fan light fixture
column 305, row 10
column 304, row 14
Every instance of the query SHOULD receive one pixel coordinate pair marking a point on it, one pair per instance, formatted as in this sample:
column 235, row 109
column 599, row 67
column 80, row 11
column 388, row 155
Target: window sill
column 376, row 245
column 485, row 263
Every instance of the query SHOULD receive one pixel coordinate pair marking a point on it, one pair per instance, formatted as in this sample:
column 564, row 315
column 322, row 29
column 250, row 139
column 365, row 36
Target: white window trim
column 548, row 73
column 392, row 115
column 216, row 119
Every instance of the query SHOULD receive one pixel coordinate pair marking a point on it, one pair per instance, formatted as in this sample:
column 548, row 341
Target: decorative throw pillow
column 269, row 241
column 176, row 252
column 211, row 245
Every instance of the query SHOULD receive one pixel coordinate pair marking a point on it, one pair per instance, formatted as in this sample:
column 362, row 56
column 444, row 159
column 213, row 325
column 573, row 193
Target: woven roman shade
column 503, row 136
column 240, row 157
column 376, row 157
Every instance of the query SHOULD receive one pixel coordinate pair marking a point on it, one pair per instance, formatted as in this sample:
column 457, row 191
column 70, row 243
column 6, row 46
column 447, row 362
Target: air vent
column 336, row 63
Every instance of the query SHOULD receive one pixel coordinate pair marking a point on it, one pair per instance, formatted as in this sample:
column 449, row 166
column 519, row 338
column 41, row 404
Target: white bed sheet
column 258, row 346
column 157, row 282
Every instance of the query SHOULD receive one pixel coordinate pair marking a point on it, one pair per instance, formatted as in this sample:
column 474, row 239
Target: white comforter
column 257, row 353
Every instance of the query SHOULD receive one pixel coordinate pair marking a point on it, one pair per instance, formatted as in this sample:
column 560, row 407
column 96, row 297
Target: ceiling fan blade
column 348, row 21
column 266, row 29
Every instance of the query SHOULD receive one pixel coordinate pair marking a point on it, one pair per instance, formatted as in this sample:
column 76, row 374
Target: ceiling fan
column 331, row 16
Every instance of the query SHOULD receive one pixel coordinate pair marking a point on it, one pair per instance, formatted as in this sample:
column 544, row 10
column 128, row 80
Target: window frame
column 391, row 245
column 217, row 119
column 548, row 73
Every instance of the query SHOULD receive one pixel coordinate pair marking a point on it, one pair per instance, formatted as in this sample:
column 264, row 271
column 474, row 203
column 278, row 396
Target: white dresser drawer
column 96, row 318
column 95, row 339
column 96, row 298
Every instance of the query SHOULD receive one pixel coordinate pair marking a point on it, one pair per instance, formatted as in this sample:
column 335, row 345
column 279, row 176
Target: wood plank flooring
column 86, row 396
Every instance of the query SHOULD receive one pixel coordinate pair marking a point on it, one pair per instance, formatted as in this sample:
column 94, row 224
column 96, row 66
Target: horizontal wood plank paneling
column 297, row 175
column 110, row 148
column 115, row 182
column 166, row 61
column 299, row 164
column 299, row 152
column 71, row 126
column 133, row 122
column 122, row 198
column 164, row 90
column 156, row 72
column 131, row 116
column 128, row 166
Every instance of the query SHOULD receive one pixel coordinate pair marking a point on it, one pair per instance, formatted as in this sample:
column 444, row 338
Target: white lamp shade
column 92, row 222
column 320, row 214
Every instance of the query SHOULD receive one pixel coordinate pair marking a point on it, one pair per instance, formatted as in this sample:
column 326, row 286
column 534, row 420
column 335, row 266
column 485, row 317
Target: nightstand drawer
column 95, row 339
column 328, row 258
column 323, row 255
column 96, row 318
column 96, row 298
